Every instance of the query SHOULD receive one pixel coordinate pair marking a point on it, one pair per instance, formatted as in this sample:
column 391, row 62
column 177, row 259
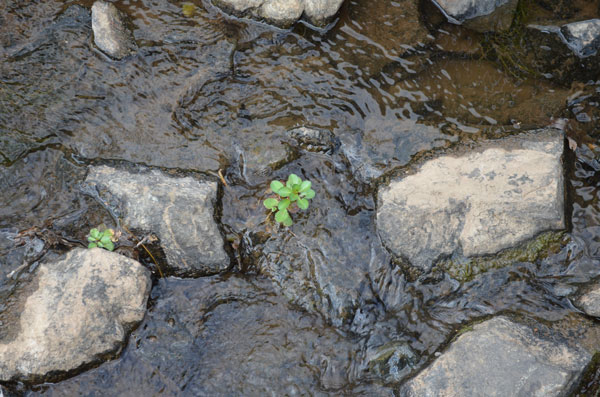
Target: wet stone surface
column 483, row 15
column 179, row 210
column 242, row 338
column 501, row 358
column 77, row 310
column 477, row 203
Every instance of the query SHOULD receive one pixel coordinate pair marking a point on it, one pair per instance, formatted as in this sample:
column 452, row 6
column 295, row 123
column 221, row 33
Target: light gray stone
column 501, row 358
column 482, row 201
column 583, row 37
column 77, row 310
column 110, row 33
column 480, row 15
column 589, row 302
column 283, row 12
column 179, row 210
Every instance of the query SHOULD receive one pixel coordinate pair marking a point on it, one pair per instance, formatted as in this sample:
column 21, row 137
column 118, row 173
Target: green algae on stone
column 465, row 269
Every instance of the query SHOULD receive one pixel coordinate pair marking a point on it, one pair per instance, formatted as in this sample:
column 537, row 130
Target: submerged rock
column 501, row 358
column 476, row 203
column 179, row 210
column 314, row 140
column 482, row 15
column 110, row 33
column 216, row 336
column 76, row 311
column 283, row 12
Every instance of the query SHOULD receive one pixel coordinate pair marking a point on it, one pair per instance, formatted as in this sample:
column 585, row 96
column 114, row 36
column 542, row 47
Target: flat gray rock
column 179, row 210
column 110, row 33
column 76, row 311
column 501, row 358
column 583, row 37
column 283, row 12
column 589, row 302
column 480, row 15
column 496, row 196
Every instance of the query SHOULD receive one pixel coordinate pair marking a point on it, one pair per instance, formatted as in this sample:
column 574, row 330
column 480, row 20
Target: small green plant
column 101, row 239
column 295, row 193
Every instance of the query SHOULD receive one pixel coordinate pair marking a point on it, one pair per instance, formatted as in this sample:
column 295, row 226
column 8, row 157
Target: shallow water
column 209, row 92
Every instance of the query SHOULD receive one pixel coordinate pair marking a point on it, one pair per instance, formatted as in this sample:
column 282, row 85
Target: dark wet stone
column 179, row 210
column 283, row 12
column 483, row 15
column 76, row 311
column 501, row 358
column 475, row 203
column 382, row 146
column 16, row 252
column 314, row 140
column 110, row 33
column 226, row 336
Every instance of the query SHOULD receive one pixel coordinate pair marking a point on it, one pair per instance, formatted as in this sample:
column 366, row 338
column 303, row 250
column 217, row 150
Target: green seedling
column 294, row 194
column 101, row 239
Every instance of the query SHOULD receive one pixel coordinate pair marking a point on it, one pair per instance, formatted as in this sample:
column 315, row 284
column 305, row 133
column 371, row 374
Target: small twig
column 222, row 177
column 141, row 242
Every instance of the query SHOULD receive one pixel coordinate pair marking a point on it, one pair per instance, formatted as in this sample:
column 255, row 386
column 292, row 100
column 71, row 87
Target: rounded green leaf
column 105, row 239
column 275, row 186
column 95, row 233
column 284, row 191
column 283, row 204
column 280, row 216
column 303, row 204
column 270, row 203
column 92, row 239
column 287, row 222
column 304, row 186
column 309, row 194
column 92, row 245
column 293, row 197
column 293, row 179
column 109, row 246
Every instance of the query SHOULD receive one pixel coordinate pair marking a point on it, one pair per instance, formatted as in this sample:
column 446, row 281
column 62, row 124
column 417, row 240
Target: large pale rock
column 480, row 15
column 179, row 210
column 476, row 203
column 110, row 33
column 283, row 12
column 76, row 311
column 501, row 358
column 583, row 37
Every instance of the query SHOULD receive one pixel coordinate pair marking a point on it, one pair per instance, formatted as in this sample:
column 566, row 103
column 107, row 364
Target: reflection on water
column 206, row 92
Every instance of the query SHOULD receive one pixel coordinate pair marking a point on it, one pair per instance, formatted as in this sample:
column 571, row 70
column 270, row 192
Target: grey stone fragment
column 179, row 210
column 313, row 140
column 590, row 302
column 76, row 311
column 110, row 33
column 582, row 37
column 501, row 358
column 283, row 12
column 478, row 203
column 480, row 15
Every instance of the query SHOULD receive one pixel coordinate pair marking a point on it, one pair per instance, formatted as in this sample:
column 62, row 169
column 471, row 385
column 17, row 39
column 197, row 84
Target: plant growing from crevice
column 102, row 239
column 294, row 194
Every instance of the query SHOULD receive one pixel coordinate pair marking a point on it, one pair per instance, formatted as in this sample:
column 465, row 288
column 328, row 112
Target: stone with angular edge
column 179, row 210
column 583, row 37
column 110, row 33
column 589, row 302
column 477, row 203
column 501, row 358
column 283, row 12
column 480, row 15
column 76, row 311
